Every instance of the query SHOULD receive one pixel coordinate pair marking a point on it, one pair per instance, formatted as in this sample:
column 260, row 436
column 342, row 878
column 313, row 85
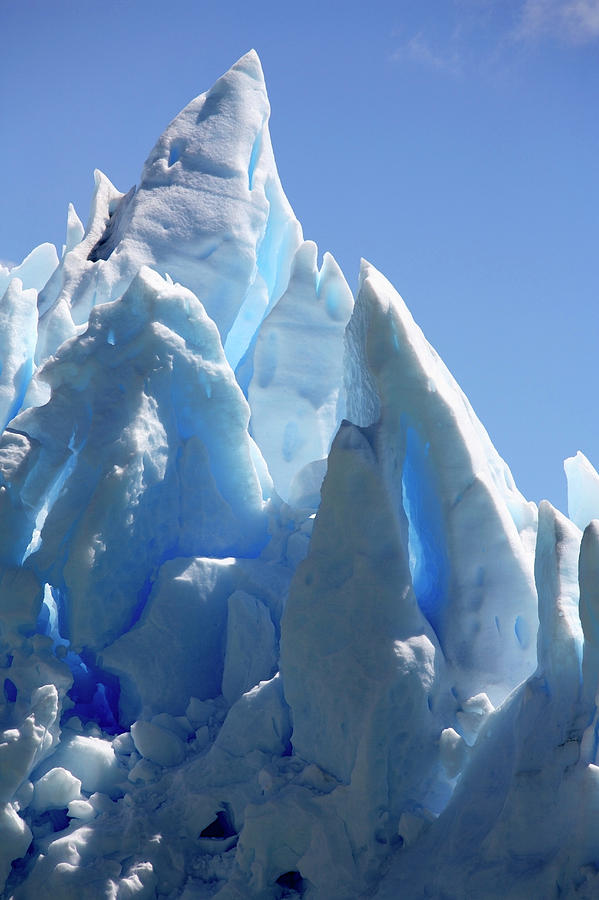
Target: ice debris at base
column 222, row 675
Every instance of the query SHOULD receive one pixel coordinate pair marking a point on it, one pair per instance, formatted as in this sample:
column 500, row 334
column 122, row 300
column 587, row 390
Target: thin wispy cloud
column 482, row 34
column 576, row 21
column 417, row 49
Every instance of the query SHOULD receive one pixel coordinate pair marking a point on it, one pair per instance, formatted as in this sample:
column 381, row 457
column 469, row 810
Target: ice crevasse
column 275, row 620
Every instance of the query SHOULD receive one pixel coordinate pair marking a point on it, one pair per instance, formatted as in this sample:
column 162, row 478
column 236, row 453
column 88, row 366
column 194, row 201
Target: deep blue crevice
column 143, row 595
column 50, row 620
column 269, row 253
column 110, row 237
column 245, row 368
column 10, row 691
column 21, row 382
column 595, row 736
column 52, row 496
column 95, row 693
column 256, row 147
column 58, row 819
column 175, row 152
column 222, row 827
column 292, row 883
column 428, row 558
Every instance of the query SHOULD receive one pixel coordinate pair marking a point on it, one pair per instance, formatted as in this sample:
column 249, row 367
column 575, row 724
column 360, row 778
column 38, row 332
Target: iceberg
column 275, row 620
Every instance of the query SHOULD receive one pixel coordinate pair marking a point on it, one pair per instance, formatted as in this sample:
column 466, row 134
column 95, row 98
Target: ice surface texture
column 274, row 618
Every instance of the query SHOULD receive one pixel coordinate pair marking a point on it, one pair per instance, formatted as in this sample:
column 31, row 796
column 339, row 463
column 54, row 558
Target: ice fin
column 354, row 643
column 455, row 492
column 75, row 229
column 34, row 271
column 18, row 335
column 295, row 393
column 560, row 638
column 589, row 618
column 583, row 490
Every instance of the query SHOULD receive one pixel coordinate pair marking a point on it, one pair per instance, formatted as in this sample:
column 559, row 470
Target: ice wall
column 275, row 620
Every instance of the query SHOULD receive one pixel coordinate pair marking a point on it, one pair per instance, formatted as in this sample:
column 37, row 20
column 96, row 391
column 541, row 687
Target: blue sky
column 453, row 144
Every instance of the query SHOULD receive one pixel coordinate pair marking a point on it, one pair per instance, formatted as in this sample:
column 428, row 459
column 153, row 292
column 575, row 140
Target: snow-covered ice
column 275, row 620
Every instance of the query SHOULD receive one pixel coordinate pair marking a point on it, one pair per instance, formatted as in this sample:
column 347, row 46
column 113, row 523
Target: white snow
column 91, row 760
column 157, row 744
column 56, row 789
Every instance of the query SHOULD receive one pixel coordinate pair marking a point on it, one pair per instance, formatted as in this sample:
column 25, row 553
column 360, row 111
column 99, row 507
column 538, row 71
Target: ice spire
column 209, row 202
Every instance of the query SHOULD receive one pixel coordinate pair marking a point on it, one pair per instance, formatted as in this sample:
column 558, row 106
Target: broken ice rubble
column 274, row 618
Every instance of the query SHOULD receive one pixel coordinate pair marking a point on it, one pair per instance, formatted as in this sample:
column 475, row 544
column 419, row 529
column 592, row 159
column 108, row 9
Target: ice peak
column 250, row 64
column 583, row 490
column 365, row 270
column 209, row 202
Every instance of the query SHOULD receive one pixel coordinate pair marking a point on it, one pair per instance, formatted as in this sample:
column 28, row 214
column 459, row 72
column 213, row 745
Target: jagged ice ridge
column 274, row 618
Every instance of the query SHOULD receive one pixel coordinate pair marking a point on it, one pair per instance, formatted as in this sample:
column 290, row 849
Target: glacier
column 275, row 620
